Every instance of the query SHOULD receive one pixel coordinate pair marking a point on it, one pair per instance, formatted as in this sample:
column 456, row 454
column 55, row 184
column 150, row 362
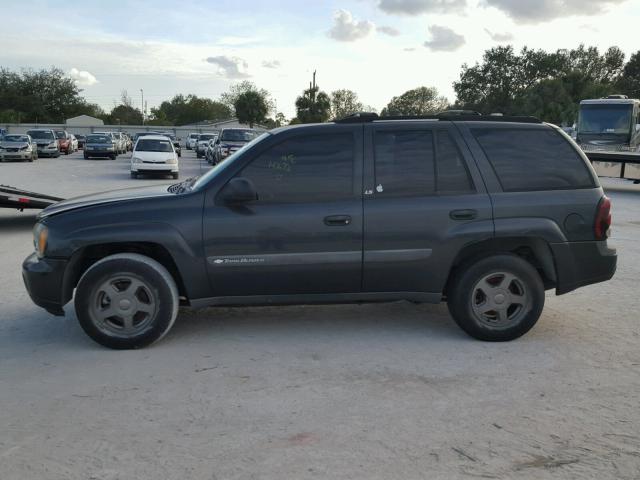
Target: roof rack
column 370, row 117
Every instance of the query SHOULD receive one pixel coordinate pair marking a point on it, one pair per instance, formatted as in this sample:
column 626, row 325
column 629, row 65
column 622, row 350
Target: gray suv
column 485, row 213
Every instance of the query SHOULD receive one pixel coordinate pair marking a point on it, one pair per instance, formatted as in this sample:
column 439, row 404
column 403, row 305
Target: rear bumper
column 44, row 280
column 583, row 263
column 93, row 152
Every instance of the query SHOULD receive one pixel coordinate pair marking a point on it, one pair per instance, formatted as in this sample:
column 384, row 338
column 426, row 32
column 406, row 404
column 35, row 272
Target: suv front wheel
column 126, row 301
column 496, row 299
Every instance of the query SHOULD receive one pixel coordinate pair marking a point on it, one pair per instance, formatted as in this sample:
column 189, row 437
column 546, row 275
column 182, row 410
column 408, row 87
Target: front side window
column 305, row 169
column 533, row 159
column 152, row 145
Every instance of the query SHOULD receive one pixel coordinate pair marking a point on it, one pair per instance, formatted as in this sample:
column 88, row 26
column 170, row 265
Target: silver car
column 18, row 147
column 46, row 142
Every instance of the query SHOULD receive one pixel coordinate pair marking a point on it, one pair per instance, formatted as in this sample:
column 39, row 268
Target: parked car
column 64, row 141
column 202, row 141
column 80, row 139
column 17, row 147
column 128, row 142
column 100, row 145
column 232, row 140
column 154, row 154
column 74, row 142
column 351, row 211
column 209, row 151
column 191, row 141
column 46, row 141
column 120, row 141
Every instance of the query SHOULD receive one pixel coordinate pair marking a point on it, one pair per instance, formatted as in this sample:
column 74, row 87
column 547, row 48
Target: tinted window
column 528, row 159
column 452, row 173
column 404, row 162
column 152, row 145
column 304, row 169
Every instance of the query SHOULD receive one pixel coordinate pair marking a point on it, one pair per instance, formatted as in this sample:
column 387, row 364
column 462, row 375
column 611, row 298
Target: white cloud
column 392, row 32
column 230, row 67
column 271, row 63
column 347, row 29
column 417, row 7
column 82, row 77
column 443, row 39
column 536, row 11
column 499, row 37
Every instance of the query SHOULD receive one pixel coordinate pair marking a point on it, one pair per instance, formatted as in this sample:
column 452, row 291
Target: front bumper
column 154, row 167
column 583, row 263
column 15, row 156
column 44, row 280
column 48, row 152
column 98, row 152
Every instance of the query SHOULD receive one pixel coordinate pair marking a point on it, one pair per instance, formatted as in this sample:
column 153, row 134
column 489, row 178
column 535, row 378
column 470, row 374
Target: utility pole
column 142, row 105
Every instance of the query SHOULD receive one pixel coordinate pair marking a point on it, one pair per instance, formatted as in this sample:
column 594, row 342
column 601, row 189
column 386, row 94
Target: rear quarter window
column 533, row 159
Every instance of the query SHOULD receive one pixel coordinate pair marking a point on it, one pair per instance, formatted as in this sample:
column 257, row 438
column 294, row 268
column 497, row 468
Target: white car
column 192, row 139
column 203, row 141
column 154, row 154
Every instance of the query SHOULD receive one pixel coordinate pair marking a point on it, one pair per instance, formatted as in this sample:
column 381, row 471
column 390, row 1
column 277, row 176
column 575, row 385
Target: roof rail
column 369, row 117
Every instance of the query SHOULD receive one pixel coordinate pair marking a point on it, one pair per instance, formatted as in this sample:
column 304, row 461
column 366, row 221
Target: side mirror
column 239, row 190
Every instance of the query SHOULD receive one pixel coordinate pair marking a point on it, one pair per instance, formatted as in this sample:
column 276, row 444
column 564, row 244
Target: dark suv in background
column 485, row 213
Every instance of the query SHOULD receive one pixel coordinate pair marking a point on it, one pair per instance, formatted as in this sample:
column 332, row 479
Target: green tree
column 313, row 106
column 251, row 107
column 229, row 98
column 629, row 82
column 182, row 110
column 125, row 115
column 345, row 102
column 419, row 101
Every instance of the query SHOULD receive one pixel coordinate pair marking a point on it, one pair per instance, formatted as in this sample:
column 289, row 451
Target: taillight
column 602, row 224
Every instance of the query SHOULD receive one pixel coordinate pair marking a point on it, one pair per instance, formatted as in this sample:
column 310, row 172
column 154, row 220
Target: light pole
column 142, row 105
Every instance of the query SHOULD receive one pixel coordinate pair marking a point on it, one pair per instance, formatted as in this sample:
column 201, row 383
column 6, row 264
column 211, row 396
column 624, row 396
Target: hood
column 603, row 138
column 127, row 194
column 42, row 141
column 13, row 144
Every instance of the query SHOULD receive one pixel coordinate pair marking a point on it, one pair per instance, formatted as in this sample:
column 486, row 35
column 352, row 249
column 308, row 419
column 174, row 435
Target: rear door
column 304, row 233
column 424, row 200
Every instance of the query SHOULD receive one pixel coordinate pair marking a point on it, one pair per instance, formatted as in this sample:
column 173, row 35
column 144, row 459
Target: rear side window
column 528, row 159
column 305, row 169
column 412, row 163
column 404, row 162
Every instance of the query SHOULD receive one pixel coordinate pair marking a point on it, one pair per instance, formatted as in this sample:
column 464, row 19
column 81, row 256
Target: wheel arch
column 534, row 250
column 87, row 256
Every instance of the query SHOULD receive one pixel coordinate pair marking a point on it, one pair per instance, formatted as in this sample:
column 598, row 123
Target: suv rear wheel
column 126, row 301
column 497, row 299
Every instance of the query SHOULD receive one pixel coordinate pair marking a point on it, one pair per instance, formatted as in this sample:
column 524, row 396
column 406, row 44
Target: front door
column 304, row 233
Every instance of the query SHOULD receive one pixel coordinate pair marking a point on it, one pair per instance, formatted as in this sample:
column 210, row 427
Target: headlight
column 136, row 160
column 40, row 237
column 172, row 161
column 24, row 148
column 112, row 147
column 53, row 145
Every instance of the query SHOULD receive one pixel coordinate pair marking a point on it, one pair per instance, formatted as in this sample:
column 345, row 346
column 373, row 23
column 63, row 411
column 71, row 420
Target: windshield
column 15, row 138
column 204, row 179
column 60, row 135
column 98, row 139
column 605, row 119
column 206, row 136
column 193, row 135
column 238, row 135
column 41, row 134
column 151, row 145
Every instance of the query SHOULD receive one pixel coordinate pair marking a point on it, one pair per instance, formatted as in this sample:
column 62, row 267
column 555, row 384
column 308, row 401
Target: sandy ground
column 392, row 391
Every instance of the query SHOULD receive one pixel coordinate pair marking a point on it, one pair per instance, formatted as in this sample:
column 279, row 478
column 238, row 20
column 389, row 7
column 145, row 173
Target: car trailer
column 616, row 164
column 11, row 197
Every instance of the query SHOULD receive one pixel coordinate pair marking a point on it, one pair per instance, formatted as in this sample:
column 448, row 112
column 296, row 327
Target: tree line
column 548, row 85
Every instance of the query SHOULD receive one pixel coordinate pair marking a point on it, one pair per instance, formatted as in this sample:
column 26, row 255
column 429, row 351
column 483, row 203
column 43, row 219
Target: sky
column 378, row 48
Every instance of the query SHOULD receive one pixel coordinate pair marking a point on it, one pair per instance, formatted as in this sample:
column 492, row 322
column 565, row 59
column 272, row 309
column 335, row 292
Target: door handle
column 463, row 214
column 337, row 220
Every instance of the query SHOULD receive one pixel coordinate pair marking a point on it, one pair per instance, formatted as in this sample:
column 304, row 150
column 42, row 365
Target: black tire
column 518, row 305
column 134, row 175
column 113, row 157
column 86, row 157
column 157, row 287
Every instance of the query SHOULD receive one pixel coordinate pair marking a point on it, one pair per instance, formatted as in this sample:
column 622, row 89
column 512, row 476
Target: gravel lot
column 393, row 391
